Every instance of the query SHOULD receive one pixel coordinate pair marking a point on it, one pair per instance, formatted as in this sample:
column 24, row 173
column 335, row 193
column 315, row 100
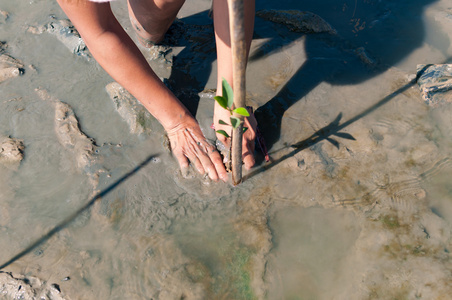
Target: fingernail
column 224, row 177
column 211, row 177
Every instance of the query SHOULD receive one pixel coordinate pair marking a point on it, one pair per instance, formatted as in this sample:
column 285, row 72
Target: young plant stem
column 238, row 47
column 236, row 154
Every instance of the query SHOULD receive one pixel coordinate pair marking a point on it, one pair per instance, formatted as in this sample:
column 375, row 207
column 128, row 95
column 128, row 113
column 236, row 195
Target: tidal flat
column 356, row 202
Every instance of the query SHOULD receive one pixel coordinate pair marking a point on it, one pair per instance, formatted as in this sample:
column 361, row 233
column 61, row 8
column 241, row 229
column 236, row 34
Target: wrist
column 182, row 120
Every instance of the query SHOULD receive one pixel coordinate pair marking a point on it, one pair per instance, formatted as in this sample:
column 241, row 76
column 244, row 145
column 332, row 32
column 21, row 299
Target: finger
column 197, row 163
column 211, row 161
column 248, row 154
column 248, row 160
column 201, row 148
column 249, row 140
column 207, row 163
column 191, row 150
column 183, row 163
column 215, row 157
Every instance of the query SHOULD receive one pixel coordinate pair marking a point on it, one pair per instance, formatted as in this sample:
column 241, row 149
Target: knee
column 156, row 9
column 168, row 8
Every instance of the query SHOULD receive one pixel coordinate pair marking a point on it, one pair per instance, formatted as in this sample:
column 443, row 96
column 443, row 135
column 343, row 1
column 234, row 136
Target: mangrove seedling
column 227, row 102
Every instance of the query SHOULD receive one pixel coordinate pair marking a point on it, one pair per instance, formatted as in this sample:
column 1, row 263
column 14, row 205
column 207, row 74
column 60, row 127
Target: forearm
column 119, row 56
column 114, row 50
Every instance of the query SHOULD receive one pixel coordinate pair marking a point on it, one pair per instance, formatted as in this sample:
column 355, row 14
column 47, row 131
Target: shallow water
column 360, row 209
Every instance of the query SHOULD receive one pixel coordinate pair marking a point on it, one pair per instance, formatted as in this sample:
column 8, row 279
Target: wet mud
column 351, row 200
column 72, row 138
column 435, row 84
column 297, row 21
column 27, row 287
column 11, row 150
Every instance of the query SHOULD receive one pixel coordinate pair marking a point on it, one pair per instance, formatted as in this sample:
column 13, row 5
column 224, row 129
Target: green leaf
column 228, row 94
column 222, row 122
column 242, row 111
column 222, row 101
column 222, row 132
column 245, row 129
column 235, row 122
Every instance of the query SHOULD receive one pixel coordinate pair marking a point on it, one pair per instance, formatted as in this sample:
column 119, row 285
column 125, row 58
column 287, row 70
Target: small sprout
column 228, row 93
column 242, row 111
column 222, row 132
column 222, row 101
column 235, row 122
column 227, row 101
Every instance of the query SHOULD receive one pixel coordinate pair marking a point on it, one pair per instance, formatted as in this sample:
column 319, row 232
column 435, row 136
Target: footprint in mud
column 73, row 139
column 9, row 66
column 89, row 158
column 130, row 109
column 66, row 33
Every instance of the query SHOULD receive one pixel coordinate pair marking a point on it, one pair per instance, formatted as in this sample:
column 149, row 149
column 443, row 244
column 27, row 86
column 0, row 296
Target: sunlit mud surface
column 356, row 202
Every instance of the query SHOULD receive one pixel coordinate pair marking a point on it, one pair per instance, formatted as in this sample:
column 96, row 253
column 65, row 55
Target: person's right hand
column 188, row 144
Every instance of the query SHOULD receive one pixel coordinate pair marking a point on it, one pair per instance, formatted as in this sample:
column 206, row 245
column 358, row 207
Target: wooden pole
column 238, row 48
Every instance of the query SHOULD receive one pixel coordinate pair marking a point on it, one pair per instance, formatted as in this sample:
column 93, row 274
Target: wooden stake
column 238, row 47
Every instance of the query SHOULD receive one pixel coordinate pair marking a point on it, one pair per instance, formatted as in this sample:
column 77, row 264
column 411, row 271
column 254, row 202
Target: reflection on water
column 364, row 212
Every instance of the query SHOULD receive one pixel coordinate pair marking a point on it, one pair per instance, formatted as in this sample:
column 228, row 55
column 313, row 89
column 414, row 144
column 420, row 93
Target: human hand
column 188, row 144
column 248, row 138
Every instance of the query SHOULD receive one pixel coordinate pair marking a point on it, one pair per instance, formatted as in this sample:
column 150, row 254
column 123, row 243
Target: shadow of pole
column 334, row 128
column 72, row 217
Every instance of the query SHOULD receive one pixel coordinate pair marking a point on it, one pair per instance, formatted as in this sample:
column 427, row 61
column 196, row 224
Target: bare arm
column 115, row 51
column 117, row 54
